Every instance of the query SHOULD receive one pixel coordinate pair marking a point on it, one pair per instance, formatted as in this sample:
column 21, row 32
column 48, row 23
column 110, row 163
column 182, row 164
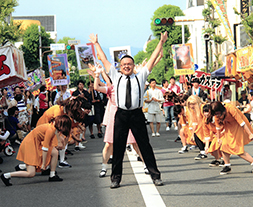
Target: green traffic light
column 157, row 21
column 68, row 47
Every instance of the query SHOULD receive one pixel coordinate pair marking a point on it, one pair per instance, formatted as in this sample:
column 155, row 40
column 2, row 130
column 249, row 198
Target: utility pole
column 40, row 47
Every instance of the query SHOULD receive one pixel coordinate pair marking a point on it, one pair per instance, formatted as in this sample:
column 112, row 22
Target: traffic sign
column 74, row 42
column 57, row 46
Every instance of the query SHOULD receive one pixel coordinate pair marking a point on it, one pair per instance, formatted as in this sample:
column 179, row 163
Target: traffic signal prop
column 164, row 21
column 70, row 47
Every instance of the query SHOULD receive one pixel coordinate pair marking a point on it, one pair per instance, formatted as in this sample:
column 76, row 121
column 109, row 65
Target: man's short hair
column 195, row 80
column 172, row 77
column 42, row 88
column 152, row 79
column 90, row 83
column 243, row 92
column 80, row 81
column 127, row 56
column 163, row 82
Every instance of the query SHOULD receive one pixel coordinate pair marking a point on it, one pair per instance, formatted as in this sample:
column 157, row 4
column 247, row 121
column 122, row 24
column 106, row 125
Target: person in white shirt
column 154, row 99
column 62, row 95
column 129, row 90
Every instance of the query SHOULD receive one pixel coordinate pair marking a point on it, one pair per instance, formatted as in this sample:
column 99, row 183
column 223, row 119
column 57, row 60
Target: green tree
column 30, row 47
column 9, row 32
column 247, row 21
column 213, row 24
column 164, row 69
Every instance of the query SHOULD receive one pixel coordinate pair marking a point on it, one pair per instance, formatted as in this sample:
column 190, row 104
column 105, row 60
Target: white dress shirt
column 65, row 96
column 121, row 88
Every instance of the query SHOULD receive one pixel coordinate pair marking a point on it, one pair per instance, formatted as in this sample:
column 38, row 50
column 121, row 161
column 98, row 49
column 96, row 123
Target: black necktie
column 128, row 93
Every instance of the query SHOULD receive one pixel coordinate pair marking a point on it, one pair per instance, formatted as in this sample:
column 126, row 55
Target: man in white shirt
column 129, row 90
column 154, row 97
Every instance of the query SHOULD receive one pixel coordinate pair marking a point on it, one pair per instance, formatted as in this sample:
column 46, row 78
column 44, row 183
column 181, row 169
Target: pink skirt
column 108, row 121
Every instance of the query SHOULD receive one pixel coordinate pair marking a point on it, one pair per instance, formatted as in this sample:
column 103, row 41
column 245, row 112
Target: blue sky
column 117, row 22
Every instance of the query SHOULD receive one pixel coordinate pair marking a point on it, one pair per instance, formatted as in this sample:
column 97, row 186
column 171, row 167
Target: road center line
column 148, row 190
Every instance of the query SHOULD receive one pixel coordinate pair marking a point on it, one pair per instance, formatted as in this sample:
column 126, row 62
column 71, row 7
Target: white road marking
column 148, row 190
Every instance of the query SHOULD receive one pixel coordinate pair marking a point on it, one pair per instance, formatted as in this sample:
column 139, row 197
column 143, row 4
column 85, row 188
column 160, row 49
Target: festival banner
column 12, row 66
column 183, row 61
column 205, row 79
column 219, row 6
column 231, row 65
column 58, row 69
column 117, row 53
column 244, row 59
column 85, row 54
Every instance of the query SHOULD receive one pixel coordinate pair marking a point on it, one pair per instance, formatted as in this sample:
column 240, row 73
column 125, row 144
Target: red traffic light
column 164, row 21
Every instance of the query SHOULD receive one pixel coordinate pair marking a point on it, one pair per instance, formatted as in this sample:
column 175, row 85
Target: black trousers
column 199, row 143
column 134, row 120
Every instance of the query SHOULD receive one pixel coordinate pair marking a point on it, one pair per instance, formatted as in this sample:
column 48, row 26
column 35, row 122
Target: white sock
column 7, row 175
column 22, row 166
column 202, row 152
column 52, row 174
column 179, row 136
column 184, row 147
column 62, row 155
column 104, row 166
column 111, row 156
column 251, row 163
column 227, row 164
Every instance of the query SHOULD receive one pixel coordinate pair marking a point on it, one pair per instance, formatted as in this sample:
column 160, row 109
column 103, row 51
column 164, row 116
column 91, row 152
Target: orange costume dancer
column 238, row 132
column 210, row 135
column 38, row 150
column 195, row 119
column 71, row 107
column 184, row 132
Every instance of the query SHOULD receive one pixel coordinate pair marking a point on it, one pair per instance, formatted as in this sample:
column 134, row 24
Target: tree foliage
column 9, row 32
column 213, row 24
column 31, row 45
column 247, row 22
column 164, row 69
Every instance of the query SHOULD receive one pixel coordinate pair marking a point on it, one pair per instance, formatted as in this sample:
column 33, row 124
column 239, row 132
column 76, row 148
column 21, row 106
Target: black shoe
column 68, row 152
column 17, row 168
column 92, row 136
column 77, row 149
column 158, row 182
column 102, row 173
column 109, row 161
column 222, row 163
column 45, row 172
column 100, row 135
column 177, row 139
column 183, row 150
column 115, row 185
column 139, row 159
column 225, row 170
column 1, row 160
column 129, row 148
column 200, row 157
column 146, row 171
column 214, row 163
column 56, row 178
column 0, row 171
column 6, row 181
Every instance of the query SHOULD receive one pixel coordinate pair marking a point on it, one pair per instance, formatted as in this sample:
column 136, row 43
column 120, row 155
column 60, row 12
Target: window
column 190, row 3
column 200, row 2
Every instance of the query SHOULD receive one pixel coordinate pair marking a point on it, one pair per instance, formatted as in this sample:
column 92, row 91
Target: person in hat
column 196, row 90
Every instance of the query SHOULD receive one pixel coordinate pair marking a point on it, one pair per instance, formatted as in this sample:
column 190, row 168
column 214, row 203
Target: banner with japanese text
column 205, row 79
column 58, row 69
column 220, row 8
column 183, row 61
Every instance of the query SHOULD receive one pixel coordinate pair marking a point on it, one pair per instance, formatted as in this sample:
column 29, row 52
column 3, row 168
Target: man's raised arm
column 151, row 61
column 94, row 39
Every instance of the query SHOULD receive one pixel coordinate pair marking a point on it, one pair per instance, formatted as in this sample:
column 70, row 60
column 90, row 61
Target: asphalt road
column 187, row 182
